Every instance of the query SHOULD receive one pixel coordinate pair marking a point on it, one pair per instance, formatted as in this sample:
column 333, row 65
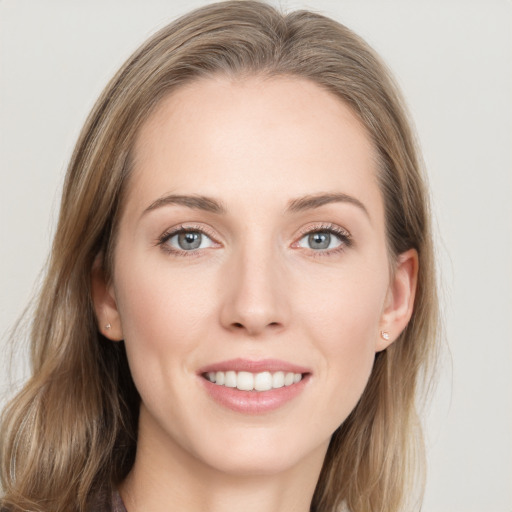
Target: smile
column 254, row 387
column 247, row 381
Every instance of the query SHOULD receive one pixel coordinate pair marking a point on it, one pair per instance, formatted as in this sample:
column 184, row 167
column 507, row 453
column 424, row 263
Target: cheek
column 342, row 319
column 344, row 306
column 162, row 314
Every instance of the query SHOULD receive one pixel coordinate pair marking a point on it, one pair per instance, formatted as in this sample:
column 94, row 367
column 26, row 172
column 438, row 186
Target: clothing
column 117, row 503
column 105, row 503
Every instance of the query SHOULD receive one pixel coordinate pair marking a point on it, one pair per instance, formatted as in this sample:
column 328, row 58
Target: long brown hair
column 71, row 431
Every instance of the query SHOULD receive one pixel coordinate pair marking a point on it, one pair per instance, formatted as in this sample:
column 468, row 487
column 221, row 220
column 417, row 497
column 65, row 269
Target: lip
column 254, row 402
column 248, row 365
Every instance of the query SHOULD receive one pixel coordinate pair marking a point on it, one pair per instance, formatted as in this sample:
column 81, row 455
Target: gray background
column 453, row 61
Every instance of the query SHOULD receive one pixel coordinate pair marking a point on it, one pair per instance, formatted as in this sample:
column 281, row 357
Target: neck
column 158, row 493
column 165, row 478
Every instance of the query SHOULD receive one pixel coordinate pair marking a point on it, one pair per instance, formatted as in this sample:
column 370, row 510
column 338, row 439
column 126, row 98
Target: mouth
column 254, row 387
column 248, row 381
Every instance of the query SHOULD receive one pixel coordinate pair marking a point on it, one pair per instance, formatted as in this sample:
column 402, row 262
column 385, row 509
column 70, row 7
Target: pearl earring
column 108, row 326
column 384, row 335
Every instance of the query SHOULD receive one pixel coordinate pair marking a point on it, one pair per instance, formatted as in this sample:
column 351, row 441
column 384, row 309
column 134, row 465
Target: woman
column 240, row 301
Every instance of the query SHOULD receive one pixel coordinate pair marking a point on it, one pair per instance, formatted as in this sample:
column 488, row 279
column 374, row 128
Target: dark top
column 117, row 503
column 103, row 503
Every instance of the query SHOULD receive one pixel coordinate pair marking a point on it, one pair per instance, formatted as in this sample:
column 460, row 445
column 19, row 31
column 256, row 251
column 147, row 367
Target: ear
column 104, row 300
column 399, row 303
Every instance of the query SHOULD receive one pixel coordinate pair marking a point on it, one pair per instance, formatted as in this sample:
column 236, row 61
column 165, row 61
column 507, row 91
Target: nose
column 255, row 294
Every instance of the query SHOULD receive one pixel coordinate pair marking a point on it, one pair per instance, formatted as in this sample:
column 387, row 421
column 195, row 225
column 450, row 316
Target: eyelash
column 167, row 235
column 343, row 235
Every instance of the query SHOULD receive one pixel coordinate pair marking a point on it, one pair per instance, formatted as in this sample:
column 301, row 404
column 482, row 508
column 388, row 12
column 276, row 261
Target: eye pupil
column 189, row 240
column 319, row 240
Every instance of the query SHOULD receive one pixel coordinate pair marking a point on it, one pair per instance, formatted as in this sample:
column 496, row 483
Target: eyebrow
column 208, row 204
column 317, row 200
column 196, row 202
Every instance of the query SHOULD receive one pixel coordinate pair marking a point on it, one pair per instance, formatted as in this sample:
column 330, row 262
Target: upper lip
column 253, row 366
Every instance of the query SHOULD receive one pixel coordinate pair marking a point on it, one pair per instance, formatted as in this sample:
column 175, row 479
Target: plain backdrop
column 453, row 60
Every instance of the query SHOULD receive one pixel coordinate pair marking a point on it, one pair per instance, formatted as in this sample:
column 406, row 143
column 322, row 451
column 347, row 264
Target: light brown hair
column 71, row 432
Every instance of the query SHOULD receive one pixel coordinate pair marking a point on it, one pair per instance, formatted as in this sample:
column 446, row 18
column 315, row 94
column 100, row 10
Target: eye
column 325, row 239
column 320, row 241
column 187, row 240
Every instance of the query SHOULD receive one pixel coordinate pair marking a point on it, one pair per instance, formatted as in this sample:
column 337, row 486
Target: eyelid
column 342, row 233
column 323, row 226
column 183, row 228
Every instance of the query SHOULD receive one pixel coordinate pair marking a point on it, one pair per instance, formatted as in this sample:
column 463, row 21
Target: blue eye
column 324, row 240
column 187, row 240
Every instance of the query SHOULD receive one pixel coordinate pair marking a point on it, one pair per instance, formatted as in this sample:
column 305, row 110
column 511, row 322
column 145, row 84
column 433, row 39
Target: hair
column 71, row 432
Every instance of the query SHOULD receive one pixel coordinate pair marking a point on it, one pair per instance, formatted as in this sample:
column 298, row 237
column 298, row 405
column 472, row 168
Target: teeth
column 278, row 380
column 230, row 380
column 263, row 381
column 247, row 381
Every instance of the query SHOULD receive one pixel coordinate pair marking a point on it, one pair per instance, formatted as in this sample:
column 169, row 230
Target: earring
column 108, row 326
column 384, row 335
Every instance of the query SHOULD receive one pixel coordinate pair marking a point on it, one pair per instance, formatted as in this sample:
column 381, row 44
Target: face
column 252, row 253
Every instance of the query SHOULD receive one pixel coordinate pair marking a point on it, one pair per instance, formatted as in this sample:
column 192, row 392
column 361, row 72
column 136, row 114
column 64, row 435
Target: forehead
column 269, row 136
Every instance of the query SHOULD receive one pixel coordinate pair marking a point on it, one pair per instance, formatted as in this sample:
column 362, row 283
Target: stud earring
column 108, row 326
column 384, row 335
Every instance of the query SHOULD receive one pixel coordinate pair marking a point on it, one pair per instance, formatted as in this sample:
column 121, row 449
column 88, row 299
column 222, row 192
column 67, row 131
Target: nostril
column 239, row 325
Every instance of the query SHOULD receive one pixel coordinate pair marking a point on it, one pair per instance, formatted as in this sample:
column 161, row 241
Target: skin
column 256, row 289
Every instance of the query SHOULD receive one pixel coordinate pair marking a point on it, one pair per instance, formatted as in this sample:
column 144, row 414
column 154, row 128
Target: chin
column 253, row 453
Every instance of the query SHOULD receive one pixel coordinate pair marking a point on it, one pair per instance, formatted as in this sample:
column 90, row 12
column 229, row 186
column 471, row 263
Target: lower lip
column 254, row 402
